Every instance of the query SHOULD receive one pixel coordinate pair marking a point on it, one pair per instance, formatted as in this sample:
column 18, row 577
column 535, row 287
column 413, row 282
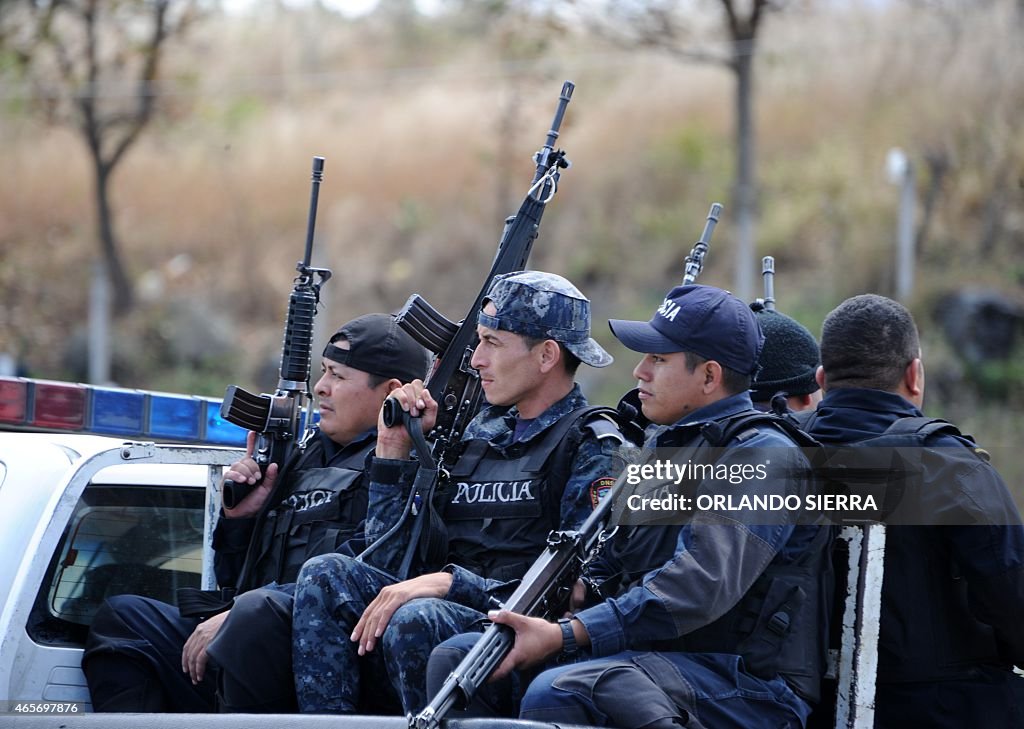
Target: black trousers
column 132, row 659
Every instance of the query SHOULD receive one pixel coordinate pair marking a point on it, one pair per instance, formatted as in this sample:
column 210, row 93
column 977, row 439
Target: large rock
column 981, row 325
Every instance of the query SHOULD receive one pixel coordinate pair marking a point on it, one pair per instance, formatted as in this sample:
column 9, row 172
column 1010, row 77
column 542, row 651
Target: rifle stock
column 277, row 418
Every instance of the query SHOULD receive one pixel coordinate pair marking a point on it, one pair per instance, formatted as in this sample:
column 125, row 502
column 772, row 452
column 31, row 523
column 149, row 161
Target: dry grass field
column 428, row 129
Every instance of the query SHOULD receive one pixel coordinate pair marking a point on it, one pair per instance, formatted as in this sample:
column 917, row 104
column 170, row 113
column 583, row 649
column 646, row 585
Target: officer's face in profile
column 509, row 370
column 668, row 390
column 348, row 405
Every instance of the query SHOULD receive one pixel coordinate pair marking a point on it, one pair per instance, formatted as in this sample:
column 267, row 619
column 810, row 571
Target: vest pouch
column 762, row 648
column 322, row 510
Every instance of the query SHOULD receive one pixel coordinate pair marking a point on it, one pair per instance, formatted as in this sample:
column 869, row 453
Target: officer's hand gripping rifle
column 544, row 591
column 454, row 383
column 277, row 418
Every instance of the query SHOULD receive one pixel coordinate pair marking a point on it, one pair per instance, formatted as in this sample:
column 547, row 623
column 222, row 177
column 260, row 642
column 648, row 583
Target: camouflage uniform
column 333, row 590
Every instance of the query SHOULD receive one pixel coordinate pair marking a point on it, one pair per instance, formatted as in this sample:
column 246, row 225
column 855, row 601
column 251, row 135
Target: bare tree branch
column 86, row 48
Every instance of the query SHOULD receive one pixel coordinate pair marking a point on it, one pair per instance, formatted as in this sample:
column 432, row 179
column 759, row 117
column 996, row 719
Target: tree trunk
column 745, row 192
column 124, row 297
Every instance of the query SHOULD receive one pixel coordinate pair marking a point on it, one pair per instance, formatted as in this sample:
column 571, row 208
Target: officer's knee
column 252, row 605
column 264, row 613
column 410, row 622
column 540, row 689
column 445, row 657
column 120, row 607
column 324, row 564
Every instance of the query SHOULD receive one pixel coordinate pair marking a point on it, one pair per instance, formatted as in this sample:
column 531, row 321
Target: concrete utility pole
column 99, row 325
column 901, row 172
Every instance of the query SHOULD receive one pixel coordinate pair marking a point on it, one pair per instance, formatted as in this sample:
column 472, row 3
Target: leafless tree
column 674, row 26
column 95, row 64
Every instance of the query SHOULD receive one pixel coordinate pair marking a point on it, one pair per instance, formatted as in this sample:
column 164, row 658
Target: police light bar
column 43, row 405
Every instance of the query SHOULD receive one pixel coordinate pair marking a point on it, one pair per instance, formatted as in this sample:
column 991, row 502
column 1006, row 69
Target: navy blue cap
column 700, row 319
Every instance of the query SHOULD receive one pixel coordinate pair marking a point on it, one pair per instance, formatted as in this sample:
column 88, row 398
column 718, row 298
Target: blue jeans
column 634, row 690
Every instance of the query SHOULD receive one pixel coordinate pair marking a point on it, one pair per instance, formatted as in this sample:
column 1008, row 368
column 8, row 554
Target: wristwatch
column 569, row 647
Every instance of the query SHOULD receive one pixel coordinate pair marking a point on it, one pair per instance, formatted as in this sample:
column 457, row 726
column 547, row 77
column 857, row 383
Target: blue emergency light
column 220, row 431
column 27, row 404
column 118, row 412
column 178, row 417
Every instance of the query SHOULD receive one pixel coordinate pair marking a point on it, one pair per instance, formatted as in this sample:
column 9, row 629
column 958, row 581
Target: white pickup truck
column 84, row 517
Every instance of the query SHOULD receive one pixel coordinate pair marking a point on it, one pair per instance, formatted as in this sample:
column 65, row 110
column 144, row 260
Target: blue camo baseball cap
column 544, row 306
column 701, row 319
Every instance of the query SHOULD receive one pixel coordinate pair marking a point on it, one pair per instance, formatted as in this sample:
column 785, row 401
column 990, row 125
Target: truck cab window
column 122, row 539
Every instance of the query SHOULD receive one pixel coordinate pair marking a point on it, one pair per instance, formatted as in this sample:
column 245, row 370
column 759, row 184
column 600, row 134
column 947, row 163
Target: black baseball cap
column 379, row 346
column 701, row 319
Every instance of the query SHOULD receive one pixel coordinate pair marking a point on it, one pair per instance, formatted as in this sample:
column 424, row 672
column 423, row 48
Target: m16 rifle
column 277, row 418
column 453, row 382
column 547, row 586
column 693, row 265
column 695, row 259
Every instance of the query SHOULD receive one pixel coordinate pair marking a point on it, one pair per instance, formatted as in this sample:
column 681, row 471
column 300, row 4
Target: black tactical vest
column 320, row 511
column 781, row 625
column 773, row 625
column 499, row 509
column 928, row 631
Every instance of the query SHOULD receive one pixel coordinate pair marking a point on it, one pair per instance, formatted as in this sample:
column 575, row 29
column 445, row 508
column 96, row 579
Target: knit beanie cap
column 788, row 360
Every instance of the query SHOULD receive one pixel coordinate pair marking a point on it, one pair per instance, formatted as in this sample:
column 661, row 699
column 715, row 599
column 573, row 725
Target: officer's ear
column 391, row 385
column 913, row 378
column 712, row 372
column 819, row 377
column 549, row 354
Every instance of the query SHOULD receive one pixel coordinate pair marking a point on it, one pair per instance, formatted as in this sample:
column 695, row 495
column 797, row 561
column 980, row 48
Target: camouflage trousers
column 330, row 676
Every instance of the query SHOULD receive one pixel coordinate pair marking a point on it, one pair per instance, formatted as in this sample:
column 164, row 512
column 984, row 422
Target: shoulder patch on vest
column 599, row 488
column 602, row 426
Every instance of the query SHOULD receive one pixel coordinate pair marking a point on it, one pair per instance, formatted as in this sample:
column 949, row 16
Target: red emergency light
column 58, row 405
column 13, row 401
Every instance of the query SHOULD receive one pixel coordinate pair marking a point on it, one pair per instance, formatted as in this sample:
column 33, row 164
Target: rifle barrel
column 314, row 196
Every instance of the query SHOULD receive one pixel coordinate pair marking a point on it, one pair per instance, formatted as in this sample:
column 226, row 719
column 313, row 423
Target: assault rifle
column 277, row 418
column 547, row 586
column 768, row 274
column 454, row 383
column 693, row 265
column 544, row 591
column 695, row 259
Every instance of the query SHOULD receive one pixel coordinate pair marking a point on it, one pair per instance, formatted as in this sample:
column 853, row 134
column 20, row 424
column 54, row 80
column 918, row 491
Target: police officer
column 143, row 655
column 731, row 607
column 952, row 595
column 534, row 460
column 786, row 368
